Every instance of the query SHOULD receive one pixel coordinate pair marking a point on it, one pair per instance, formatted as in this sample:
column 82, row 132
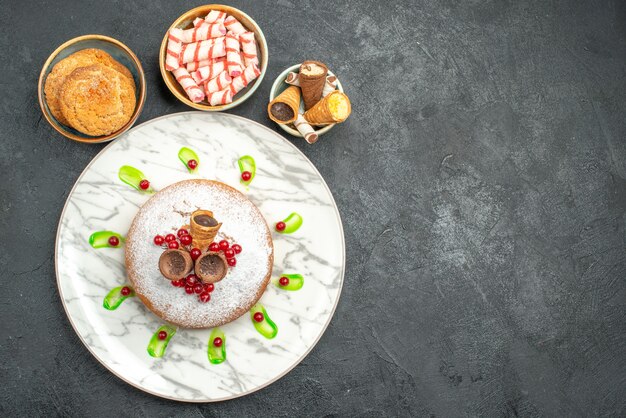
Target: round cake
column 242, row 223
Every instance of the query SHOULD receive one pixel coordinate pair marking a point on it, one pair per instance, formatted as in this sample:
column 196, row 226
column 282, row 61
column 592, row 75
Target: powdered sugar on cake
column 242, row 223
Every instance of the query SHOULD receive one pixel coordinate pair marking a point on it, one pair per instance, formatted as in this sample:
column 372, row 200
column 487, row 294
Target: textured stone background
column 482, row 184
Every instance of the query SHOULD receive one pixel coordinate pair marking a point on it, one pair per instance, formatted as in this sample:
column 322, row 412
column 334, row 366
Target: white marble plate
column 285, row 182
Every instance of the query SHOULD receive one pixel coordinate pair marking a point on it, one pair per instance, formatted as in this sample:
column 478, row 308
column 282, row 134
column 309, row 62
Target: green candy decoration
column 156, row 347
column 292, row 222
column 100, row 239
column 185, row 154
column 132, row 177
column 217, row 355
column 114, row 298
column 266, row 327
column 296, row 281
column 247, row 163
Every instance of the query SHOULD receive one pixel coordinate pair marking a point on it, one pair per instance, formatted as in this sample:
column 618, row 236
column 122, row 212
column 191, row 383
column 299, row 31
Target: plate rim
column 101, row 361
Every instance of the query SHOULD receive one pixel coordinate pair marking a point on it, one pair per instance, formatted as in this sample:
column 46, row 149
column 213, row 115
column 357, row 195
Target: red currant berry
column 158, row 239
column 189, row 289
column 284, row 281
column 231, row 262
column 209, row 287
column 215, row 247
column 246, row 176
column 186, row 239
column 192, row 164
column 170, row 238
column 144, row 184
column 258, row 317
column 191, row 280
column 195, row 253
column 125, row 291
column 176, row 283
column 224, row 245
column 114, row 241
column 236, row 248
column 182, row 232
column 198, row 288
column 162, row 335
column 229, row 253
column 217, row 342
column 280, row 226
column 204, row 297
column 172, row 245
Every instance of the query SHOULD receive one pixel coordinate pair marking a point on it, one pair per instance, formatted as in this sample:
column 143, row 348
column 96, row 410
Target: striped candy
column 249, row 48
column 218, row 83
column 220, row 97
column 233, row 58
column 195, row 65
column 208, row 72
column 174, row 46
column 183, row 77
column 250, row 73
column 203, row 31
column 234, row 25
column 203, row 50
column 215, row 16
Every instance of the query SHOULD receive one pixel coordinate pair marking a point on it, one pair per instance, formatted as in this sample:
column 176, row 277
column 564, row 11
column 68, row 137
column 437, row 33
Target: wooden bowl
column 185, row 21
column 280, row 85
column 117, row 50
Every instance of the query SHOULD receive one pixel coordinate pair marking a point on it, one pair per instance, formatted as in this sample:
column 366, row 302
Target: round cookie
column 97, row 100
column 242, row 223
column 63, row 68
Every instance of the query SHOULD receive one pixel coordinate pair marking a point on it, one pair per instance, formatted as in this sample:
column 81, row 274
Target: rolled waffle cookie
column 312, row 80
column 284, row 108
column 333, row 108
column 204, row 228
column 306, row 130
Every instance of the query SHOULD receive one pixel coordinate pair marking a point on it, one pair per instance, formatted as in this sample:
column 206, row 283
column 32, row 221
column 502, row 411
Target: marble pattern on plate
column 285, row 182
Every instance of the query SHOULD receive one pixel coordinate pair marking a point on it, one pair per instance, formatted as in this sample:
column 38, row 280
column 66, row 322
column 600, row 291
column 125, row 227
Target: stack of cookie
column 91, row 92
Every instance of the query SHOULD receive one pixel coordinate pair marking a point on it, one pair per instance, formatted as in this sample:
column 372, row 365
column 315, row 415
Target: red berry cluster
column 193, row 285
column 172, row 241
column 229, row 251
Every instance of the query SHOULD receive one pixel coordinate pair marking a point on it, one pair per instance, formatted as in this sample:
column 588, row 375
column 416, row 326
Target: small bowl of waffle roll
column 213, row 57
column 92, row 89
column 307, row 100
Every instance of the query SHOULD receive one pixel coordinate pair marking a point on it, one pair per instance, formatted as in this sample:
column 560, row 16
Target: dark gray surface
column 482, row 184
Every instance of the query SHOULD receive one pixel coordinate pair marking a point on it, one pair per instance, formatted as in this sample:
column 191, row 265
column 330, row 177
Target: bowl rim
column 138, row 107
column 281, row 79
column 204, row 9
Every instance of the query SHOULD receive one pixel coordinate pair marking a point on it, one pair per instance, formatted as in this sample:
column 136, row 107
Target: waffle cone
column 312, row 86
column 323, row 113
column 203, row 236
column 291, row 97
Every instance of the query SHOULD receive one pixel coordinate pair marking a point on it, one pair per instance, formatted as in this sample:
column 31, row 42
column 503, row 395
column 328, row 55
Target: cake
column 241, row 223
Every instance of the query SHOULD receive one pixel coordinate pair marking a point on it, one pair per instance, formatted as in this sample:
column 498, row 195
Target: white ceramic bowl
column 280, row 85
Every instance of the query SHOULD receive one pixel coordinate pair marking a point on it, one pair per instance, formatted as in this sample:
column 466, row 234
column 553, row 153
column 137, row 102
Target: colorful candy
column 213, row 60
